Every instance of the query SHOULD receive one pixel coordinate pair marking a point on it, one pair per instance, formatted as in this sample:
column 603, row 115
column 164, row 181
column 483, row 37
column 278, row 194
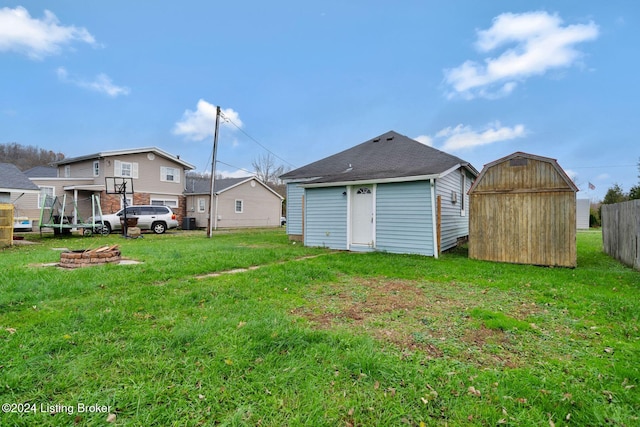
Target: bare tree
column 267, row 170
column 26, row 157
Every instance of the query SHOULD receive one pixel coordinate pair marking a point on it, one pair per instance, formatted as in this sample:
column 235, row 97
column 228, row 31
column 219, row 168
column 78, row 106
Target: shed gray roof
column 12, row 180
column 390, row 155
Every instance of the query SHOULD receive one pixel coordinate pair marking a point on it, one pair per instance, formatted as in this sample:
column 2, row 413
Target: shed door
column 362, row 215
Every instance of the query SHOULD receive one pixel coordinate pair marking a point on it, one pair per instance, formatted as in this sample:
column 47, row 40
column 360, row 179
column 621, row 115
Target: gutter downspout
column 433, row 218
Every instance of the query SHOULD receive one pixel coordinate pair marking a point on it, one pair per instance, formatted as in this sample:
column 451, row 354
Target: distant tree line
column 26, row 157
column 616, row 194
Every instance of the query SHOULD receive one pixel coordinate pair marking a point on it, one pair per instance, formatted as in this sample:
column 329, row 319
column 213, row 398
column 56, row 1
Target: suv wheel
column 158, row 227
column 104, row 228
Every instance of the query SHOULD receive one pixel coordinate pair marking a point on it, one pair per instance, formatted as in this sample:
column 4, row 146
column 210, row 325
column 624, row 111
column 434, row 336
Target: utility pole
column 213, row 212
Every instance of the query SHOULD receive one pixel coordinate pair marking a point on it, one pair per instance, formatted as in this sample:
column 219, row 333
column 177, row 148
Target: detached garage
column 523, row 210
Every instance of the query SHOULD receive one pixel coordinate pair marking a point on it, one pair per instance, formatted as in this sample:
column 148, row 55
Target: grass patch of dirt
column 418, row 317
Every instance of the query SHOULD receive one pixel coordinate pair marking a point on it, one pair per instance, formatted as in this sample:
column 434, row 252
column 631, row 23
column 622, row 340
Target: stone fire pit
column 90, row 257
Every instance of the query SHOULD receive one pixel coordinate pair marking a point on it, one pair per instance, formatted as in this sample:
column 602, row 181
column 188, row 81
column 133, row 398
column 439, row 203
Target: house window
column 172, row 203
column 239, row 206
column 125, row 169
column 46, row 196
column 202, row 204
column 363, row 190
column 67, row 171
column 168, row 174
column 96, row 168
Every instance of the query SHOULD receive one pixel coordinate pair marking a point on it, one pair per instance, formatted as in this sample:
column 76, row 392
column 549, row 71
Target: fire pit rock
column 90, row 257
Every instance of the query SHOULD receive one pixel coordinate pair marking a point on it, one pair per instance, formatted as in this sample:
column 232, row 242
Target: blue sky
column 307, row 79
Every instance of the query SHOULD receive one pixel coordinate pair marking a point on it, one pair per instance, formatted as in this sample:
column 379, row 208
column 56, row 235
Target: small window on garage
column 201, row 204
column 239, row 206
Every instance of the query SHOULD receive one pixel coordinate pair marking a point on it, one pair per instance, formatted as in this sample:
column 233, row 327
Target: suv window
column 147, row 210
column 160, row 210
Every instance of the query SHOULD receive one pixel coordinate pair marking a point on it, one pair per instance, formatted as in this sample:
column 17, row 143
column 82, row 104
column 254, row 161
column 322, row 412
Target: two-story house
column 158, row 179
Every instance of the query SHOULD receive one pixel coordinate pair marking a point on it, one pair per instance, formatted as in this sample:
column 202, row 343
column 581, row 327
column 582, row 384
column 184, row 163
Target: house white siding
column 583, row 207
column 326, row 217
column 454, row 207
column 404, row 218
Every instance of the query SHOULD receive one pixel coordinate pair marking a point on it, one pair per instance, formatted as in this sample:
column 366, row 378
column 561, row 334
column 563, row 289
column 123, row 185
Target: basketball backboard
column 118, row 185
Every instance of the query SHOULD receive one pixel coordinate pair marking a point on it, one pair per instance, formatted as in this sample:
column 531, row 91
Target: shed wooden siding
column 295, row 194
column 326, row 217
column 404, row 218
column 523, row 212
column 453, row 224
column 524, row 228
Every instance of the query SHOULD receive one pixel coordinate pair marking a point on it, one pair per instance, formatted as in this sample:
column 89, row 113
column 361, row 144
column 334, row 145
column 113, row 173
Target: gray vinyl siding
column 453, row 224
column 404, row 218
column 295, row 194
column 326, row 217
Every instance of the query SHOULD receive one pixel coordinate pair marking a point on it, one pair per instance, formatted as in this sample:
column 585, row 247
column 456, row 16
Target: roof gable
column 390, row 155
column 11, row 179
column 522, row 172
column 202, row 185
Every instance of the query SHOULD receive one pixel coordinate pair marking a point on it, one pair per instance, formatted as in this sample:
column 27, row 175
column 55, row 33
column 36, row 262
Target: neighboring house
column 238, row 202
column 158, row 178
column 13, row 185
column 523, row 210
column 390, row 193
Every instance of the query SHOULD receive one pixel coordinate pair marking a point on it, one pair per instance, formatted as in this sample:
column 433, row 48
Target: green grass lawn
column 313, row 337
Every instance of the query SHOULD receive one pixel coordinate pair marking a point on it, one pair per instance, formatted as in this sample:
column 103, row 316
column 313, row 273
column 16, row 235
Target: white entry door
column 362, row 215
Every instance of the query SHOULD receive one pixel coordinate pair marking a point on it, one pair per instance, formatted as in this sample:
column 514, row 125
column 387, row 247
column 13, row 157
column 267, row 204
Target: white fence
column 621, row 232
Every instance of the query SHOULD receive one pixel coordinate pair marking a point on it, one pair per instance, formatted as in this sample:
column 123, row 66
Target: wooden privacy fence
column 621, row 232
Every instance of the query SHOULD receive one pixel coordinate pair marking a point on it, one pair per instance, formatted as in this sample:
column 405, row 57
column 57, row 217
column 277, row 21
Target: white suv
column 155, row 218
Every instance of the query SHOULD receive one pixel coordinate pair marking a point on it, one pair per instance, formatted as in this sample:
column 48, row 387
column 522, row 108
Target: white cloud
column 539, row 43
column 37, row 38
column 102, row 83
column 233, row 174
column 424, row 139
column 461, row 137
column 200, row 124
column 571, row 174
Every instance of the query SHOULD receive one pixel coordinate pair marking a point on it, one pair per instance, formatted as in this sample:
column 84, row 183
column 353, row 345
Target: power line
column 599, row 167
column 239, row 168
column 254, row 140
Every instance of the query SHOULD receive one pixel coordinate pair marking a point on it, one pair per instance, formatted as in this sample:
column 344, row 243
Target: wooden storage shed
column 523, row 210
